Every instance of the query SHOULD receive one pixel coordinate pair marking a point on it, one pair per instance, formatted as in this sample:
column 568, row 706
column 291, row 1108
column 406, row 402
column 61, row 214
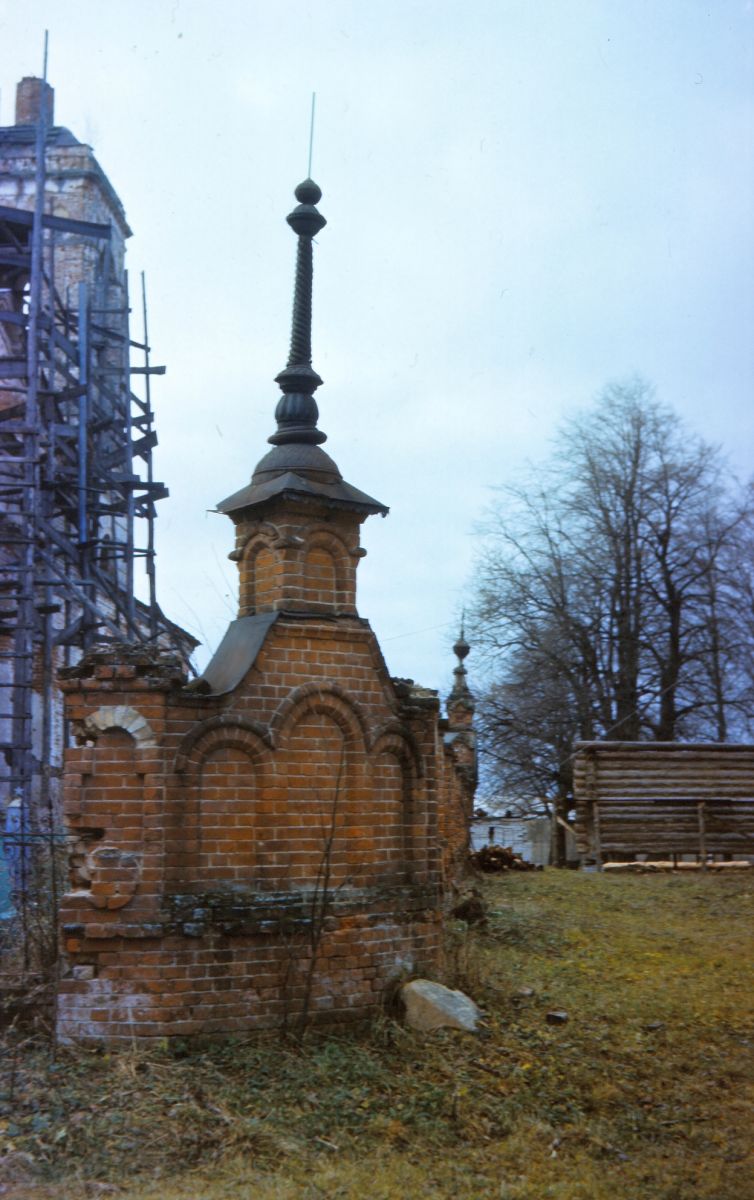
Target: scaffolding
column 77, row 501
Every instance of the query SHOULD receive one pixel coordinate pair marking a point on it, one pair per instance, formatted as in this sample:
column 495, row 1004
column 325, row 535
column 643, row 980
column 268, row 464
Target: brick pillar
column 30, row 94
column 298, row 560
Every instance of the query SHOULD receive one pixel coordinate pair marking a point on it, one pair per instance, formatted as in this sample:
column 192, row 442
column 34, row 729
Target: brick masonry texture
column 210, row 835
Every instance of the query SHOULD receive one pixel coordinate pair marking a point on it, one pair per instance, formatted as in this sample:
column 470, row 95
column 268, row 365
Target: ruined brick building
column 271, row 841
column 77, row 491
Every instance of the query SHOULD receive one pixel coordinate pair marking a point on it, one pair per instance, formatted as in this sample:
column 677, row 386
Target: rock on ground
column 430, row 1006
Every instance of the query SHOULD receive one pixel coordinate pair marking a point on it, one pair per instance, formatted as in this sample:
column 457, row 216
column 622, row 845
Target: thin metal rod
column 130, row 503
column 311, row 136
column 44, row 64
column 22, row 754
column 83, row 422
column 150, row 477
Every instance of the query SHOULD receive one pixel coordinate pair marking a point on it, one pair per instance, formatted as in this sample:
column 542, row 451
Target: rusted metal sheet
column 663, row 798
column 235, row 655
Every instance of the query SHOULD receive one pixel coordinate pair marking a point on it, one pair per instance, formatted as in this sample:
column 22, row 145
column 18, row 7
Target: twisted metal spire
column 296, row 413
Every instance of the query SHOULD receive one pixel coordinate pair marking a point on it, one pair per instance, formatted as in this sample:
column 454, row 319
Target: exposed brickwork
column 199, row 828
column 30, row 94
column 290, row 563
column 300, row 809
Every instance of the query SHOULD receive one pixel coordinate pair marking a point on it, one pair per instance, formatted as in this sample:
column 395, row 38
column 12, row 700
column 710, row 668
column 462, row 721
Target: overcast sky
column 525, row 199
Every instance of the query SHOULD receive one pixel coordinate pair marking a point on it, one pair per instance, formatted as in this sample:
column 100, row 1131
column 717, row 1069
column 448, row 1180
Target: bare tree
column 614, row 595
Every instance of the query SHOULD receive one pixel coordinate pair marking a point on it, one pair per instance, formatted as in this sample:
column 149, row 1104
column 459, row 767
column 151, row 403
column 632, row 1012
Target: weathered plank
column 644, row 797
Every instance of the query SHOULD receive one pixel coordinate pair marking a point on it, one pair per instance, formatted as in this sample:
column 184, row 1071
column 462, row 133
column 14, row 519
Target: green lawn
column 646, row 1091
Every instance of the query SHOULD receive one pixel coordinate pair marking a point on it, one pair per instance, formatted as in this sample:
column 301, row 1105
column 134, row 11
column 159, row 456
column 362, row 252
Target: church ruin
column 78, row 494
column 271, row 842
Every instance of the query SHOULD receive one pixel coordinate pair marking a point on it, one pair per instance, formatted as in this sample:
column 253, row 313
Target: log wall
column 663, row 799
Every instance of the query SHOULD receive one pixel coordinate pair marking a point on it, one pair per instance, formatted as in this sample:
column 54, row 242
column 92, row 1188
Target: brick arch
column 213, row 837
column 319, row 538
column 260, row 581
column 265, row 531
column 393, row 780
column 321, row 781
column 394, row 739
column 327, row 536
column 243, row 732
column 396, row 769
column 121, row 716
column 328, row 569
column 261, row 577
column 235, row 733
column 321, row 698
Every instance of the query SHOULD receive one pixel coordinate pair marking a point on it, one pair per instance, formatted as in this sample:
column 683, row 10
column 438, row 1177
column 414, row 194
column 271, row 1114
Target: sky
column 526, row 200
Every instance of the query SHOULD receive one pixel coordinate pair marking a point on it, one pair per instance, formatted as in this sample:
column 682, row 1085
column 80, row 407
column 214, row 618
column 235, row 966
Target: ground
column 645, row 1091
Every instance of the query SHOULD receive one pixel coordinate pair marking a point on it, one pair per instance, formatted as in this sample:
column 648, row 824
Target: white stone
column 430, row 1006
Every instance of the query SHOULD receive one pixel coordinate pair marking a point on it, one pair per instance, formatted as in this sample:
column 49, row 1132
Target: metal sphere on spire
column 461, row 647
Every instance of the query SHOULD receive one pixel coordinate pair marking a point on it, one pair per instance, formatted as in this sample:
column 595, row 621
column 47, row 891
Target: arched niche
column 266, row 577
column 397, row 811
column 261, row 575
column 327, row 570
column 212, row 825
column 319, row 770
column 226, row 817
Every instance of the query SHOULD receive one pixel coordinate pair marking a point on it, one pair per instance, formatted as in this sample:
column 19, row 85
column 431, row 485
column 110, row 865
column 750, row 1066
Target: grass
column 646, row 1091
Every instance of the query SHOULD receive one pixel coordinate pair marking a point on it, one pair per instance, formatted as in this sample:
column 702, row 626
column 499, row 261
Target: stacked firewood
column 495, row 859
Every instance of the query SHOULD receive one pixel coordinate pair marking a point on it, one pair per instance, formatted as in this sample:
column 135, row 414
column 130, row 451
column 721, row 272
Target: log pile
column 664, row 799
column 495, row 859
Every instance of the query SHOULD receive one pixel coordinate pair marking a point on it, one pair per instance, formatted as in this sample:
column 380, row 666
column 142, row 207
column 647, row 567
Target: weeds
column 645, row 1092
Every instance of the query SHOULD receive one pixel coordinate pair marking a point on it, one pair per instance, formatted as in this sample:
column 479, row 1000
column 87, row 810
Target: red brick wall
column 226, row 817
column 204, row 829
column 294, row 564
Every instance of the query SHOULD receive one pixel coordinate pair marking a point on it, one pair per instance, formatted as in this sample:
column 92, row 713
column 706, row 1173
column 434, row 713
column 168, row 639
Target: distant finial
column 297, row 412
column 462, row 647
column 461, row 693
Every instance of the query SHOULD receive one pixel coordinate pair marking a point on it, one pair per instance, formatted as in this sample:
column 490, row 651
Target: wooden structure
column 663, row 799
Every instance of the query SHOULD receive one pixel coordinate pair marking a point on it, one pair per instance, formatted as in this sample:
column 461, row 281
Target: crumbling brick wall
column 199, row 829
column 273, row 840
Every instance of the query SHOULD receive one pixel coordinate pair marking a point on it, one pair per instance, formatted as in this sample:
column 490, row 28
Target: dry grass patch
column 645, row 1092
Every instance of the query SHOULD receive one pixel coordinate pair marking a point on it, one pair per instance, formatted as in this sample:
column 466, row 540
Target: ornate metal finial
column 297, row 412
column 462, row 647
column 461, row 691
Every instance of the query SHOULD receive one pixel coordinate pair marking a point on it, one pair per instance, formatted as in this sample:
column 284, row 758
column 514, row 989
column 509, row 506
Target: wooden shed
column 663, row 799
